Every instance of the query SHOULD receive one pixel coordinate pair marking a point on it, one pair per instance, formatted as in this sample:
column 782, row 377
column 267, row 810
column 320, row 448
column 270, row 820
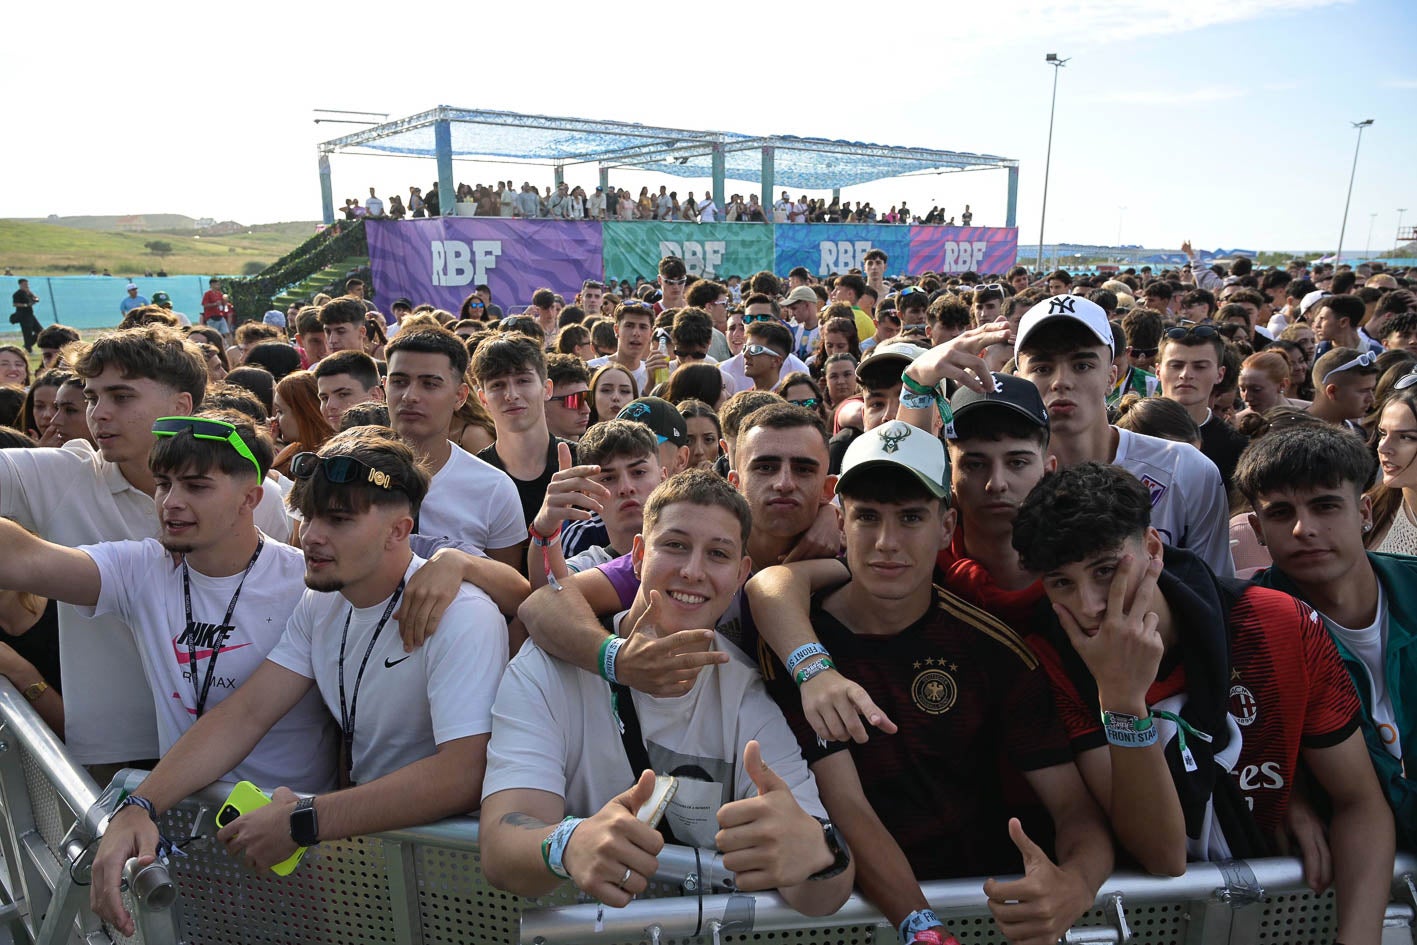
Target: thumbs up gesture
column 612, row 855
column 572, row 495
column 769, row 841
column 1038, row 908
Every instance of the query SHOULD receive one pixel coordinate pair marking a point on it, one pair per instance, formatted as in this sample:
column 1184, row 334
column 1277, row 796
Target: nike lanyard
column 346, row 716
column 201, row 694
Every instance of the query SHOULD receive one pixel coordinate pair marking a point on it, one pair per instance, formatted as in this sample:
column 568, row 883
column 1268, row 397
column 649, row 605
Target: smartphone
column 652, row 812
column 243, row 799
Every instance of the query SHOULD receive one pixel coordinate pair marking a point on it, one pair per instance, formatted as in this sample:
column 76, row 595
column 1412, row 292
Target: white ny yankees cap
column 1075, row 307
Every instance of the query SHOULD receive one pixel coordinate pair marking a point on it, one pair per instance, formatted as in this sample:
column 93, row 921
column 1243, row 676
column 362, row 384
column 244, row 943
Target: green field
column 44, row 249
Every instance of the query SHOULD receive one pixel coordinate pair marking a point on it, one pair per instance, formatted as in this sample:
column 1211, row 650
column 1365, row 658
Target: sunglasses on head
column 592, row 284
column 574, row 401
column 340, row 470
column 810, row 403
column 1363, row 360
column 202, row 428
column 1198, row 331
column 989, row 287
column 756, row 350
column 1406, row 380
column 1143, row 352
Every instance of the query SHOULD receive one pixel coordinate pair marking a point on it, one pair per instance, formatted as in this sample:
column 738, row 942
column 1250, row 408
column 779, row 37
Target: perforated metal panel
column 1298, row 919
column 50, row 815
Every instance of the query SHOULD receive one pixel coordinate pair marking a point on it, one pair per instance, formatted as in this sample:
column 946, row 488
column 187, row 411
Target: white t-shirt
column 374, row 207
column 142, row 586
column 72, row 497
column 553, row 731
column 708, row 211
column 409, row 703
column 733, row 371
column 592, row 557
column 1188, row 503
column 640, row 373
column 474, row 502
column 1367, row 644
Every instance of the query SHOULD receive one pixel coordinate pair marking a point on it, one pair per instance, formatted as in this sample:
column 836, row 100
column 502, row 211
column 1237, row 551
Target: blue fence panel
column 92, row 301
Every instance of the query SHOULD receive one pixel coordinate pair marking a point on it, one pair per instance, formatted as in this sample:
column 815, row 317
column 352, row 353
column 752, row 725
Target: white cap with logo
column 1074, row 307
column 897, row 443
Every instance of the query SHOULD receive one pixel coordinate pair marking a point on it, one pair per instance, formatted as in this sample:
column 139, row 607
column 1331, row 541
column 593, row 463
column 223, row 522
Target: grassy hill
column 43, row 249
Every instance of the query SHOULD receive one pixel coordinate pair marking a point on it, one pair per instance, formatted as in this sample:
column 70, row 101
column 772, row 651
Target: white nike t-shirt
column 142, row 587
column 1368, row 644
column 408, row 703
column 473, row 502
column 1188, row 503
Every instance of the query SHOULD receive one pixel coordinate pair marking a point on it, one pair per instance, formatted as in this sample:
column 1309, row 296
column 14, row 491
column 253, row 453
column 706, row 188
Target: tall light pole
column 1052, row 60
column 1368, row 247
column 1360, row 125
column 1398, row 245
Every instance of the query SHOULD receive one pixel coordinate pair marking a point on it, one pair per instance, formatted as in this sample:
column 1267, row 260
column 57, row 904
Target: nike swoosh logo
column 390, row 664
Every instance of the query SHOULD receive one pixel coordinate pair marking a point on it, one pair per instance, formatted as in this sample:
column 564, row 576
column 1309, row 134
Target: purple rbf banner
column 440, row 260
column 963, row 248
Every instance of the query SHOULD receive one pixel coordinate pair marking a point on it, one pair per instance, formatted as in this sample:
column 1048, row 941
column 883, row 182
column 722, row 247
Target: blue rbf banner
column 826, row 248
column 440, row 260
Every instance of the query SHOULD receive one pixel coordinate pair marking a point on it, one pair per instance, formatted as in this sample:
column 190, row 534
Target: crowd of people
column 567, row 202
column 862, row 582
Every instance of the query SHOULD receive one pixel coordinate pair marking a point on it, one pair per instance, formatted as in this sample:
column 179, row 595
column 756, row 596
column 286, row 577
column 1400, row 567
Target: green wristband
column 915, row 387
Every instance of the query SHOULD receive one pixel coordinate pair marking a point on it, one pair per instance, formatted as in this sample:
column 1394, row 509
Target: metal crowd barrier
column 424, row 886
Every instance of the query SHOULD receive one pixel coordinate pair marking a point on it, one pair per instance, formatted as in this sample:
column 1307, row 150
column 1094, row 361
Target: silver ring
column 624, row 879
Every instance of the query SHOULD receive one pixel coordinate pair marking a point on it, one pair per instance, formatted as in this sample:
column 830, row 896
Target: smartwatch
column 841, row 856
column 304, row 825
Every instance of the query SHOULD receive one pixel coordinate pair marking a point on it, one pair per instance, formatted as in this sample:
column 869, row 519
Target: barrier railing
column 425, row 885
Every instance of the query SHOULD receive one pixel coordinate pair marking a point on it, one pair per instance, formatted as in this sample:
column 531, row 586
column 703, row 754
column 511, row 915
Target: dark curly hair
column 1306, row 456
column 1077, row 512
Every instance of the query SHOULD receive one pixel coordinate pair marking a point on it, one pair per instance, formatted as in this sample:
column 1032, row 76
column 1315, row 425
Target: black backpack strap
column 623, row 703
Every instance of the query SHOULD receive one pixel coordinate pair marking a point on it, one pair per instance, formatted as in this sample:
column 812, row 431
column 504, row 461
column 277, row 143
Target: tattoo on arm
column 524, row 821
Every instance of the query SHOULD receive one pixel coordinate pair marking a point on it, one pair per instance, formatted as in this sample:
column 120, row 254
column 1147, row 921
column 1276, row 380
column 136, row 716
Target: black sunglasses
column 341, row 470
column 1199, row 331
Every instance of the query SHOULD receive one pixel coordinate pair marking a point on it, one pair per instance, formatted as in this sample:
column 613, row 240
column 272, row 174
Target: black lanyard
column 201, row 694
column 346, row 716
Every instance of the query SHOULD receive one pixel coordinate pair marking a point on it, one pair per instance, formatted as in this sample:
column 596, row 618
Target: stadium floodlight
column 1057, row 63
column 1360, row 125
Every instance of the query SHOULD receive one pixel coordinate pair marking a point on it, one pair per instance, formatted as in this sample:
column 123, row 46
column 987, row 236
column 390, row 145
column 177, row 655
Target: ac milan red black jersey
column 1288, row 689
column 964, row 689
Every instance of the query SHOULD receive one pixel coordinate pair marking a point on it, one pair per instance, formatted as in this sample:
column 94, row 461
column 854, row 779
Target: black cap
column 1009, row 393
column 406, row 303
column 660, row 416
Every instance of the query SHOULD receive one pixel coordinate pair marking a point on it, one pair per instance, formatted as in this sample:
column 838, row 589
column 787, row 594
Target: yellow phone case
column 243, row 799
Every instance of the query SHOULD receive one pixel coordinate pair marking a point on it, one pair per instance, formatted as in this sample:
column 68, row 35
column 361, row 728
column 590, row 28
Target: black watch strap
column 837, row 846
column 304, row 824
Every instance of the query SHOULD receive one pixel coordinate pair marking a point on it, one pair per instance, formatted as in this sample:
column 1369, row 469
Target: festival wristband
column 1128, row 731
column 931, row 937
column 553, row 848
column 915, row 387
column 137, row 800
column 917, row 921
column 812, row 669
column 915, row 401
column 797, row 656
column 608, row 651
column 538, row 540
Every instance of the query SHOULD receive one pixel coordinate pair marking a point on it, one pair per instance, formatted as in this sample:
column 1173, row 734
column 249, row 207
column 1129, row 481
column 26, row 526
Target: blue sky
column 1221, row 121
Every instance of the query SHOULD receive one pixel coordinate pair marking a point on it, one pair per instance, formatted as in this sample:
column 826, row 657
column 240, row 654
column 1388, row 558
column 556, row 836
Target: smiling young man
column 344, row 379
column 468, row 499
column 200, row 630
column 1189, row 368
column 1064, row 347
column 969, row 699
column 414, row 746
column 343, row 321
column 1191, row 700
column 743, row 786
column 78, row 496
column 1306, row 488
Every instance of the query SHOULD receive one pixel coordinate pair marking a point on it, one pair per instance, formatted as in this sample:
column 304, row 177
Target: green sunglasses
column 204, row 428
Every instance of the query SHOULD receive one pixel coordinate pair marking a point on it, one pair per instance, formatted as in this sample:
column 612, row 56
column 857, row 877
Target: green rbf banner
column 710, row 250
